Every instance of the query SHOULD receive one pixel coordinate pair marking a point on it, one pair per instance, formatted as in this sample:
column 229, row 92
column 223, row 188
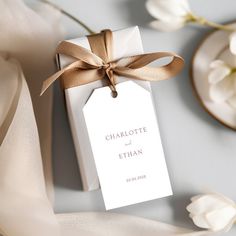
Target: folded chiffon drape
column 31, row 36
column 25, row 206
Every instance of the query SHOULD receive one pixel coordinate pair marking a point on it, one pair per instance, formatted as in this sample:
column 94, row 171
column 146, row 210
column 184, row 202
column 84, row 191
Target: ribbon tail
column 48, row 82
column 135, row 67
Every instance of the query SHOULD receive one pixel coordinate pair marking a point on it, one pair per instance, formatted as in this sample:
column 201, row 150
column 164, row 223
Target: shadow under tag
column 126, row 145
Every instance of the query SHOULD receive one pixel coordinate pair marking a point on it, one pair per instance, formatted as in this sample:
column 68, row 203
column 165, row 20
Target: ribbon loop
column 95, row 65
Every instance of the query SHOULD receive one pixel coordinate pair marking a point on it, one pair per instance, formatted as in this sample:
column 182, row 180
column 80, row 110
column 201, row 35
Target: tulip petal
column 166, row 9
column 232, row 101
column 205, row 204
column 232, row 42
column 167, row 26
column 195, row 198
column 223, row 90
column 217, row 63
column 221, row 219
column 200, row 221
column 218, row 73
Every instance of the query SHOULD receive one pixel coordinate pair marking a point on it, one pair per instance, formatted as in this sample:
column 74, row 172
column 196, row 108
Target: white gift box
column 126, row 42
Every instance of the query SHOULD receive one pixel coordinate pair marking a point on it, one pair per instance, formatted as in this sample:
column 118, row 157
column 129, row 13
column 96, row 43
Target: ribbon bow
column 99, row 64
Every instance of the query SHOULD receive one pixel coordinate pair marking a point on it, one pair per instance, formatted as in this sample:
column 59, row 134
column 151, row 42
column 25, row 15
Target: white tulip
column 222, row 80
column 213, row 212
column 170, row 14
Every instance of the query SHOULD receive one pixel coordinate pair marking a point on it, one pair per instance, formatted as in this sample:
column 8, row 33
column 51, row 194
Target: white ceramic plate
column 215, row 46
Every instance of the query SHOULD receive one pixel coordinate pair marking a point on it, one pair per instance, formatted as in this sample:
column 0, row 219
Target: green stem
column 219, row 26
column 205, row 22
column 90, row 31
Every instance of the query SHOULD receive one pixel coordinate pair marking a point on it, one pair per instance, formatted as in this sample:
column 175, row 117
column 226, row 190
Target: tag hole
column 114, row 94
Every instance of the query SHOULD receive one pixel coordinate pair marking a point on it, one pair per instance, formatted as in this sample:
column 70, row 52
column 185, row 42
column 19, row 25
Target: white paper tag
column 126, row 145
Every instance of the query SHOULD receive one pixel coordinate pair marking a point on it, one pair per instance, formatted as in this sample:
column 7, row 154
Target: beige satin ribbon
column 98, row 64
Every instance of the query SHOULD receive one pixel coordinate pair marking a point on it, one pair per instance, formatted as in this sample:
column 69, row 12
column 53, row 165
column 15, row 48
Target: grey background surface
column 200, row 152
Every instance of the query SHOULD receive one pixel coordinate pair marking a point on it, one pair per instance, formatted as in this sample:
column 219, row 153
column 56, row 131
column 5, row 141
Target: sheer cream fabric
column 31, row 37
column 24, row 206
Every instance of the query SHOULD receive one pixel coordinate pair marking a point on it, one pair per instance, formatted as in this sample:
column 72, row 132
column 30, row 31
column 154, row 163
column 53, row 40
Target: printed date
column 135, row 178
